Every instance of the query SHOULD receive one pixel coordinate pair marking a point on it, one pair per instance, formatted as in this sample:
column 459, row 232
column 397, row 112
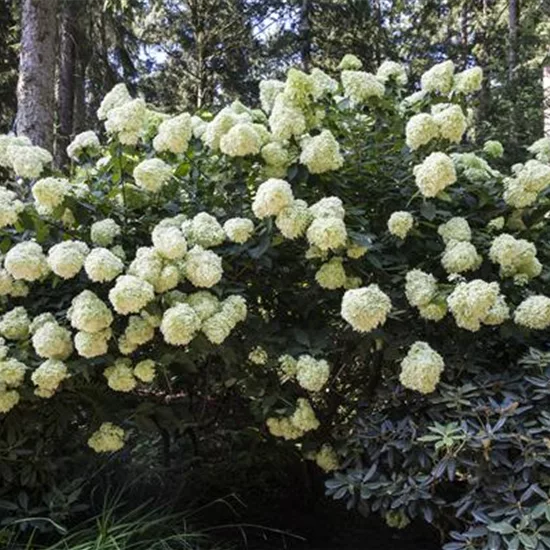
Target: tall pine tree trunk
column 66, row 82
column 305, row 34
column 513, row 13
column 36, row 85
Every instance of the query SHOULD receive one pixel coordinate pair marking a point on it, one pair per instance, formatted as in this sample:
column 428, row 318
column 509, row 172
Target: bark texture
column 36, row 85
column 66, row 82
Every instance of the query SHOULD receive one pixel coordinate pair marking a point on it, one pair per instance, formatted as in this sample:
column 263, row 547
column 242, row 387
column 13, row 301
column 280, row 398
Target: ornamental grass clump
column 341, row 269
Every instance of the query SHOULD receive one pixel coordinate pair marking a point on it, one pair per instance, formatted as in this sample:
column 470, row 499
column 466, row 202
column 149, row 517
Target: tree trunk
column 464, row 20
column 305, row 34
column 512, row 64
column 546, row 99
column 66, row 83
column 36, row 85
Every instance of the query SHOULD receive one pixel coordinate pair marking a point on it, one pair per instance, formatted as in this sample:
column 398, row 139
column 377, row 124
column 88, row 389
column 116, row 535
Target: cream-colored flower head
column 130, row 294
column 420, row 130
column 89, row 313
column 67, row 258
column 312, row 374
column 109, row 438
column 202, row 267
column 101, row 265
column 152, row 174
column 180, row 325
column 238, row 230
column 52, row 341
column 174, row 134
column 321, row 153
column 435, row 174
column 104, row 232
column 439, row 78
column 365, row 308
column 271, row 197
column 533, row 313
column 360, row 87
column 421, row 368
column 26, row 261
column 400, row 223
column 331, row 275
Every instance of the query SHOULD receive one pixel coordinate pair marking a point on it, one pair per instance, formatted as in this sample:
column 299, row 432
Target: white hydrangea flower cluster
column 66, row 258
column 26, row 261
column 218, row 326
column 10, row 140
column 27, row 161
column 365, row 308
column 420, row 130
column 327, row 231
column 269, row 90
column 533, row 313
column 241, row 140
column 139, row 331
column 104, row 232
column 12, row 373
column 52, row 341
column 204, row 230
column 109, row 438
column 439, row 78
column 85, row 142
column 180, row 324
column 456, row 229
column 477, row 302
column 15, row 324
column 400, row 223
column 421, row 368
column 238, row 230
column 322, row 84
column 312, row 374
column 152, row 174
column 435, row 174
column 295, row 426
column 293, row 220
column 360, row 87
column 174, row 134
column 422, row 292
column 327, row 459
column 541, row 149
column 271, row 197
column 203, row 268
column 460, row 256
column 127, row 121
column 117, row 97
column 89, row 313
column 169, row 241
column 450, row 121
column 145, row 371
column 529, row 181
column 331, row 275
column 468, row 81
column 517, row 258
column 321, row 153
column 48, row 376
column 390, row 70
column 258, row 356
column 10, row 207
column 130, row 294
column 102, row 266
column 350, row 62
column 120, row 376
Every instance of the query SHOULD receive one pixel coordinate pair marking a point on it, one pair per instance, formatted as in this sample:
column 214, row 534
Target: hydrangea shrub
column 343, row 260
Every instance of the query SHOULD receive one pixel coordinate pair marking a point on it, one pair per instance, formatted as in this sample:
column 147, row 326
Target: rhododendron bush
column 341, row 260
